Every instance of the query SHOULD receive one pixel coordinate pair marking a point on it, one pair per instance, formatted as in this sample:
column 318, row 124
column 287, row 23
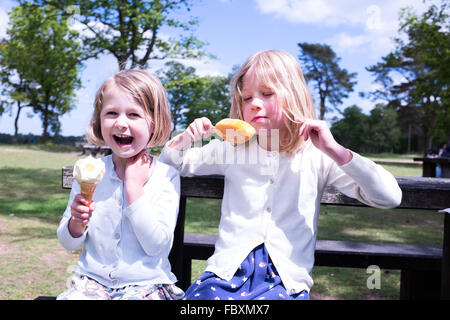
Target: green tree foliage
column 351, row 130
column 192, row 96
column 331, row 83
column 214, row 103
column 134, row 31
column 421, row 60
column 40, row 60
column 180, row 82
column 384, row 134
column 376, row 132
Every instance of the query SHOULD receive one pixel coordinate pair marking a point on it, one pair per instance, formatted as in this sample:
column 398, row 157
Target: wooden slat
column 384, row 255
column 433, row 160
column 342, row 253
column 418, row 193
column 202, row 187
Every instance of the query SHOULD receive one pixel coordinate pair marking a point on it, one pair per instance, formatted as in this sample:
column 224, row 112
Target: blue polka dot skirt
column 256, row 279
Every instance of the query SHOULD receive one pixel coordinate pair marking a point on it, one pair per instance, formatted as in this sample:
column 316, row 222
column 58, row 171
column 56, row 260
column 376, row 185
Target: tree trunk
column 16, row 122
column 122, row 61
column 45, row 124
column 322, row 108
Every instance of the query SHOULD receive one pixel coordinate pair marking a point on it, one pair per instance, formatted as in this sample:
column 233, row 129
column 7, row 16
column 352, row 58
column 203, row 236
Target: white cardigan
column 274, row 198
column 127, row 244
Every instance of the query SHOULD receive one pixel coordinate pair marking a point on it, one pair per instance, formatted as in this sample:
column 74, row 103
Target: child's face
column 260, row 106
column 124, row 124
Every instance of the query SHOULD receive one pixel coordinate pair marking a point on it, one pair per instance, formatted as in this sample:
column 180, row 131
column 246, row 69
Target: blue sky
column 359, row 31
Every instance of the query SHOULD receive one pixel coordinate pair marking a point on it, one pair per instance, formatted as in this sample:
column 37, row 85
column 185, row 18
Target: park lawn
column 33, row 263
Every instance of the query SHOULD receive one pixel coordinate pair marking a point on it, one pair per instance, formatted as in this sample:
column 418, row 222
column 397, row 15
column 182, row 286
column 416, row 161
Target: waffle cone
column 87, row 190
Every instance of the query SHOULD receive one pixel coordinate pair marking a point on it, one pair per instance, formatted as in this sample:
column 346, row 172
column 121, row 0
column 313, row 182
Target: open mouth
column 123, row 140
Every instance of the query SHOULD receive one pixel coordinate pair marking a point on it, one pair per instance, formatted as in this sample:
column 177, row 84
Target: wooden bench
column 429, row 166
column 93, row 150
column 424, row 269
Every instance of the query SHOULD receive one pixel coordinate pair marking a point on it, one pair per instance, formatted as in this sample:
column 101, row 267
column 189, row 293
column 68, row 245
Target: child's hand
column 321, row 137
column 137, row 172
column 81, row 214
column 137, row 169
column 200, row 129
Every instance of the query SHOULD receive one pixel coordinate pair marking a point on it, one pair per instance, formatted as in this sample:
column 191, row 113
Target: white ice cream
column 89, row 170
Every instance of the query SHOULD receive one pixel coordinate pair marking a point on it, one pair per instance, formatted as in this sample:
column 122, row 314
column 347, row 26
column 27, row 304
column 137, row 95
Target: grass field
column 33, row 263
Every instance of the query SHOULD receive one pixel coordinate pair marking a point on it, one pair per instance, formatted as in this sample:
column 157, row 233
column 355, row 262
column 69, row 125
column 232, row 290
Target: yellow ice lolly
column 234, row 130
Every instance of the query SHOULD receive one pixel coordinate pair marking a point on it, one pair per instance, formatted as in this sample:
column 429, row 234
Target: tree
column 383, row 132
column 180, row 82
column 16, row 91
column 192, row 96
column 214, row 101
column 377, row 132
column 351, row 130
column 134, row 31
column 422, row 62
column 331, row 83
column 39, row 63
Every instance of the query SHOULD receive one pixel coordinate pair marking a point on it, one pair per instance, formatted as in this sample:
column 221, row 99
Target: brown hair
column 279, row 71
column 148, row 92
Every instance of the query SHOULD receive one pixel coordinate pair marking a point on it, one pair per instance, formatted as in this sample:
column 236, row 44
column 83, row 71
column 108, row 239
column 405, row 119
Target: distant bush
column 34, row 139
column 373, row 133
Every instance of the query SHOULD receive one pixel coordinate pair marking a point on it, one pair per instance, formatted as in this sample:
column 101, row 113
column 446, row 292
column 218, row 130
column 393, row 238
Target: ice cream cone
column 88, row 172
column 87, row 191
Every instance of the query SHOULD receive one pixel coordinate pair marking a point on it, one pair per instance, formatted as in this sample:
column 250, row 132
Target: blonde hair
column 148, row 92
column 279, row 71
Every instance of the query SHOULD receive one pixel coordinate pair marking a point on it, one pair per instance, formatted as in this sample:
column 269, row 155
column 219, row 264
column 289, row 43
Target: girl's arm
column 70, row 239
column 153, row 217
column 81, row 214
column 137, row 172
column 200, row 129
column 367, row 182
column 321, row 137
column 196, row 160
column 352, row 174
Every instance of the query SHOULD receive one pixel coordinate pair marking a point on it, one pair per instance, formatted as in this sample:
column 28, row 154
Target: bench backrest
column 418, row 193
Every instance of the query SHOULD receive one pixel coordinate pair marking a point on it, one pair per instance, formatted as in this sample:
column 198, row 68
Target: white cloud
column 374, row 23
column 3, row 22
column 374, row 14
column 296, row 11
column 207, row 67
column 327, row 12
column 369, row 44
column 204, row 67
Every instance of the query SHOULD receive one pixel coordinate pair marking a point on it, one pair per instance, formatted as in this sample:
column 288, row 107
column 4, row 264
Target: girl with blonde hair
column 270, row 207
column 128, row 238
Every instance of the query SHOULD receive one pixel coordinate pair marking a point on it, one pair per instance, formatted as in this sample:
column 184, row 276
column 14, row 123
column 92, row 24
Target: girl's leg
column 149, row 292
column 84, row 288
column 255, row 279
